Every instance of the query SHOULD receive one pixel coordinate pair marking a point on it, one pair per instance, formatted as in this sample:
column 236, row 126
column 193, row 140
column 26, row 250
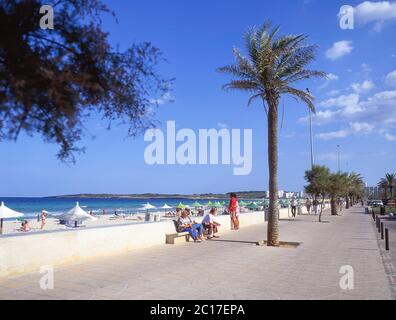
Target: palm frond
column 244, row 85
column 272, row 64
column 304, row 96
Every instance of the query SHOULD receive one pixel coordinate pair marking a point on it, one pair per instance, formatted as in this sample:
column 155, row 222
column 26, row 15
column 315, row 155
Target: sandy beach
column 12, row 226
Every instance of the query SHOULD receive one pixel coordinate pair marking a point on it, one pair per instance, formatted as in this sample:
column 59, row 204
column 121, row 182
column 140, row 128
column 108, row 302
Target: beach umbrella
column 180, row 206
column 209, row 204
column 165, row 206
column 5, row 213
column 197, row 205
column 253, row 206
column 148, row 206
column 76, row 214
column 242, row 203
column 216, row 205
column 222, row 203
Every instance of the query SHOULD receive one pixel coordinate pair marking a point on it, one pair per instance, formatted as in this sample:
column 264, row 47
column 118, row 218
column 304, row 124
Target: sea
column 30, row 207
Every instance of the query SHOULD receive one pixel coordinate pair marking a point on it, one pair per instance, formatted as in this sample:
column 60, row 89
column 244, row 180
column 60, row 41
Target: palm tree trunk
column 321, row 209
column 273, row 216
column 333, row 205
column 347, row 205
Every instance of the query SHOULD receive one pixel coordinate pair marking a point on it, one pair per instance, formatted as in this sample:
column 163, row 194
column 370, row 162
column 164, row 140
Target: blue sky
column 356, row 106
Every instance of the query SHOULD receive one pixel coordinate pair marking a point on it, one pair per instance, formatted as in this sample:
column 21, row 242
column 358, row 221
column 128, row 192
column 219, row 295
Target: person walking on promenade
column 293, row 206
column 315, row 204
column 233, row 208
column 308, row 204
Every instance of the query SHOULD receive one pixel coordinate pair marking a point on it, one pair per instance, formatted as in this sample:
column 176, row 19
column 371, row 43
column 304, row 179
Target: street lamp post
column 338, row 148
column 311, row 138
column 310, row 133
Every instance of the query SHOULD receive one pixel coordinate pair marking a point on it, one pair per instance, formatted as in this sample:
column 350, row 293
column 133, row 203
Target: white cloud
column 333, row 135
column 341, row 101
column 323, row 116
column 390, row 137
column 365, row 86
column 390, row 79
column 380, row 107
column 339, row 49
column 376, row 12
column 222, row 125
column 362, row 116
column 356, row 128
column 361, row 127
column 333, row 92
column 332, row 77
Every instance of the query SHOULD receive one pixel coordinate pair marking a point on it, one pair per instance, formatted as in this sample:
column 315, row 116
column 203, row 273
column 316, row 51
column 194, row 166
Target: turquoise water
column 32, row 206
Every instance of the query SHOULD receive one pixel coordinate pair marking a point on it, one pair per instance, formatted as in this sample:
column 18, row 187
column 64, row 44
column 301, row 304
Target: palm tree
column 273, row 63
column 318, row 182
column 337, row 187
column 388, row 183
column 354, row 187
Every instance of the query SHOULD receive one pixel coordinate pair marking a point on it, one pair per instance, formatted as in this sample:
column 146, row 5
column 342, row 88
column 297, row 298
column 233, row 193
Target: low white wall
column 21, row 253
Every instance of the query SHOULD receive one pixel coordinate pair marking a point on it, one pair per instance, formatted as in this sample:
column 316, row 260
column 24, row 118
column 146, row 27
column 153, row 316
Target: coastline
column 245, row 195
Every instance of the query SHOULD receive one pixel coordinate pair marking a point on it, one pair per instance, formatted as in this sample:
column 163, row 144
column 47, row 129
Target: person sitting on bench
column 210, row 224
column 187, row 225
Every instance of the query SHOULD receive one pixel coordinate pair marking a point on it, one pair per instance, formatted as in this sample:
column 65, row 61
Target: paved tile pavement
column 232, row 267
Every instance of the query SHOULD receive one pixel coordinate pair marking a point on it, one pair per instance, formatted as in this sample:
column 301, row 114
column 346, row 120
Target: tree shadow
column 233, row 241
column 261, row 243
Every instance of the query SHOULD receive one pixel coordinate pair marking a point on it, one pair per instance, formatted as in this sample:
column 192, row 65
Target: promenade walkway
column 232, row 267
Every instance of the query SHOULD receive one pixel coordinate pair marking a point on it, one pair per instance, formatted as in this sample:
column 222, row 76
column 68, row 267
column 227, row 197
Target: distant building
column 289, row 195
column 373, row 192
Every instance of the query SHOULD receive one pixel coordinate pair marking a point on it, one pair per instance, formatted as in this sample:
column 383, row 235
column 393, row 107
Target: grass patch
column 387, row 210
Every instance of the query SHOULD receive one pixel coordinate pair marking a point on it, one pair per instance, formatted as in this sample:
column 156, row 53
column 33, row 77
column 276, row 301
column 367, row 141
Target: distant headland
column 243, row 194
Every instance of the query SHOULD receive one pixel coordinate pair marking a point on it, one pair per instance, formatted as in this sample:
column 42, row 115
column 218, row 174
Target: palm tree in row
column 355, row 189
column 388, row 184
column 272, row 66
column 322, row 183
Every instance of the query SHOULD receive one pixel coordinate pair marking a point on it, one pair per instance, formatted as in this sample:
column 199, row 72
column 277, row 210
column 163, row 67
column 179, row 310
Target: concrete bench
column 179, row 237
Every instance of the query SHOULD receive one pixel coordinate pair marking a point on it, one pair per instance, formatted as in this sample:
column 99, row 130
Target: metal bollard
column 386, row 239
column 382, row 231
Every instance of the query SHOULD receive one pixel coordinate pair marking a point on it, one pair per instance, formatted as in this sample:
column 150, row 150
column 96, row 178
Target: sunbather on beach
column 210, row 224
column 187, row 225
column 25, row 226
column 43, row 217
